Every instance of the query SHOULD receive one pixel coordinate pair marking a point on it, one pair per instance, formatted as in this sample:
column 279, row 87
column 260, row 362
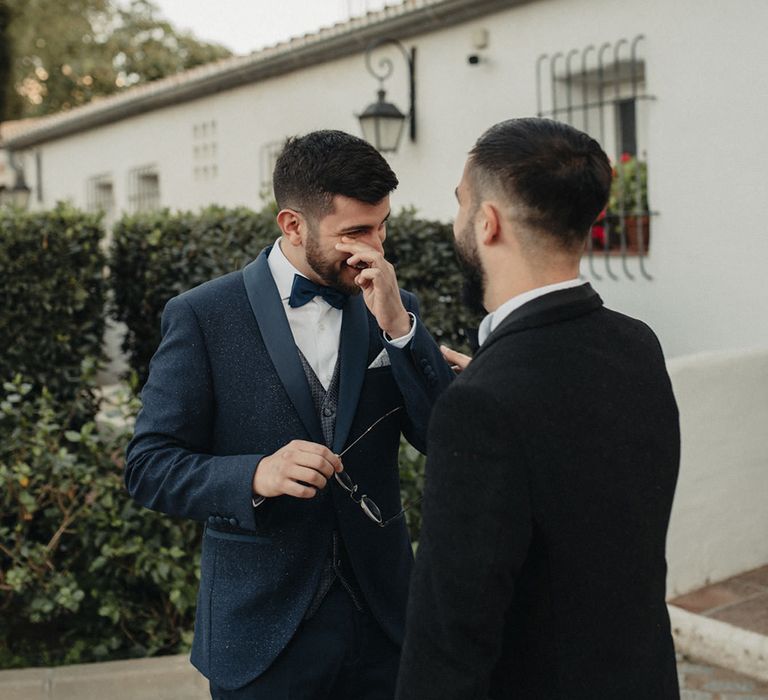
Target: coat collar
column 550, row 308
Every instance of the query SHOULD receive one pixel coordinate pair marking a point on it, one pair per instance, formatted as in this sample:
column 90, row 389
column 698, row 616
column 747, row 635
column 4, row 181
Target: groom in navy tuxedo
column 273, row 414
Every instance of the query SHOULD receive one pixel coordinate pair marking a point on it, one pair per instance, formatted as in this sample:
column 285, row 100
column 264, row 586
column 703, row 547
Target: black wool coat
column 552, row 466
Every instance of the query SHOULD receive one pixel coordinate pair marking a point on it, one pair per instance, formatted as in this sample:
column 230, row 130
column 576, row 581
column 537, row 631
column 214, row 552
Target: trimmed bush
column 423, row 255
column 157, row 256
column 85, row 574
column 52, row 291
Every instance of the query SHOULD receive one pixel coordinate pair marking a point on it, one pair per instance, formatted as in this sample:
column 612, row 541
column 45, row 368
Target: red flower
column 598, row 236
column 625, row 157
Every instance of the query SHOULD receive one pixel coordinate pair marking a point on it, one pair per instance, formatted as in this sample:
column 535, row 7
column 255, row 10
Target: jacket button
column 211, row 519
column 233, row 522
column 328, row 411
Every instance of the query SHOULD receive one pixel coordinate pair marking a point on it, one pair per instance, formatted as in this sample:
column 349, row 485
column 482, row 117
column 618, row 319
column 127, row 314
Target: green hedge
column 85, row 574
column 423, row 255
column 52, row 291
column 156, row 256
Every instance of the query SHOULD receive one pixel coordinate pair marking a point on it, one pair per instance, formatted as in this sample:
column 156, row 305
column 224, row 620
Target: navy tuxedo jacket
column 226, row 387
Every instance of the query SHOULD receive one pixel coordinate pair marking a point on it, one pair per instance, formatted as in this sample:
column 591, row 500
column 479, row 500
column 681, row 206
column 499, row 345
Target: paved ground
column 741, row 601
column 702, row 682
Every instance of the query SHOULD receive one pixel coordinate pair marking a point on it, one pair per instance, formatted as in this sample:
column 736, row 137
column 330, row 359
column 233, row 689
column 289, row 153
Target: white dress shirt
column 493, row 319
column 316, row 326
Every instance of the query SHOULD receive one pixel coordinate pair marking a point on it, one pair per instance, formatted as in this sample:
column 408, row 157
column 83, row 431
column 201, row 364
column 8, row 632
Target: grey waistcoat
column 337, row 564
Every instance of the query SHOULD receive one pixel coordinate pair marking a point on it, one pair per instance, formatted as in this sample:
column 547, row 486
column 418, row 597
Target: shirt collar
column 493, row 319
column 282, row 270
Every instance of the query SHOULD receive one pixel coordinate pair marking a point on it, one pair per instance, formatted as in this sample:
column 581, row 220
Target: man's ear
column 489, row 223
column 291, row 224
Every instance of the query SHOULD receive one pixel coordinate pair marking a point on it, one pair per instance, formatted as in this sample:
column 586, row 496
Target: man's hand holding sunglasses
column 299, row 469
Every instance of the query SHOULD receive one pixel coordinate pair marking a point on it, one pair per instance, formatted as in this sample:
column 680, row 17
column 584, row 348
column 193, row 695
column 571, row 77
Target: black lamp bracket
column 385, row 68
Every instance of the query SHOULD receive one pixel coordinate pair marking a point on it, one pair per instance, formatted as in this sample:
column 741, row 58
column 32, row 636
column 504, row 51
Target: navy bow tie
column 304, row 290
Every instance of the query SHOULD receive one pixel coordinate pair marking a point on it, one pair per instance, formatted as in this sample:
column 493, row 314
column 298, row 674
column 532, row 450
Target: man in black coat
column 552, row 460
column 263, row 379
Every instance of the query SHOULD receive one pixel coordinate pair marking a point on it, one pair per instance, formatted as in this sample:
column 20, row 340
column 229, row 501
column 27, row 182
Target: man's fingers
column 360, row 252
column 316, row 463
column 367, row 276
column 457, row 360
column 307, row 475
column 366, row 260
column 297, row 490
column 316, row 449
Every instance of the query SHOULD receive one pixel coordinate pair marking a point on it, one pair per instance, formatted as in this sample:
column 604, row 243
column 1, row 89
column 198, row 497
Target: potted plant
column 627, row 208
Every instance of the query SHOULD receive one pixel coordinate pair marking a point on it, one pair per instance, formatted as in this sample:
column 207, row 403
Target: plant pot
column 638, row 232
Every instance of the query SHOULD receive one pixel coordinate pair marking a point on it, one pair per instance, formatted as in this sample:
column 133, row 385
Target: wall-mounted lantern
column 18, row 195
column 382, row 122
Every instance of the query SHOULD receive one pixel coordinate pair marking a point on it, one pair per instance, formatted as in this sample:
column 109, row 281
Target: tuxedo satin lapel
column 353, row 354
column 278, row 339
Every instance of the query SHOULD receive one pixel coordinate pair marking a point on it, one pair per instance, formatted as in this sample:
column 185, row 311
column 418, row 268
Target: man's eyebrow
column 365, row 227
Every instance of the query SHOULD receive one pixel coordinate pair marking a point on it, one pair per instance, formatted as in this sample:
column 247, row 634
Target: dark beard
column 325, row 269
column 473, row 288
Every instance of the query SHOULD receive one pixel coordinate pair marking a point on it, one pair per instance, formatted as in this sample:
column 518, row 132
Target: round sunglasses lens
column 371, row 509
column 345, row 481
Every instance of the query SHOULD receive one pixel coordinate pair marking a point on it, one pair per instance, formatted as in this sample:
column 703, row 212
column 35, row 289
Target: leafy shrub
column 159, row 255
column 85, row 574
column 51, row 284
column 423, row 255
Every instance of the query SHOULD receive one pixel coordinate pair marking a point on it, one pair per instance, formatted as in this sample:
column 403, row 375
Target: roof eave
column 324, row 47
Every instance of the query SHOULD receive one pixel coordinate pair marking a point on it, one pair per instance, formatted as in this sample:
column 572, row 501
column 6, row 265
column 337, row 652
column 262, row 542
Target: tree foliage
column 67, row 52
column 5, row 56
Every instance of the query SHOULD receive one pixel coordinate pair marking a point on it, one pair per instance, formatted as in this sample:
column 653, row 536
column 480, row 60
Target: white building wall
column 705, row 65
column 719, row 518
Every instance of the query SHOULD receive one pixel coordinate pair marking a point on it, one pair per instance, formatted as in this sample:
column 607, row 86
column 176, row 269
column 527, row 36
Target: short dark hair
column 556, row 178
column 312, row 169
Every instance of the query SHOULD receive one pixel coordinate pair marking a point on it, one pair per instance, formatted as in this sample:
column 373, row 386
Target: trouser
column 340, row 653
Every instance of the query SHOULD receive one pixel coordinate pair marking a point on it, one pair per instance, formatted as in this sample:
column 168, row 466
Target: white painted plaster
column 704, row 134
column 719, row 524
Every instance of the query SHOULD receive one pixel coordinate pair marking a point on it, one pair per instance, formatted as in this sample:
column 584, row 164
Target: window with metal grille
column 100, row 196
column 144, row 189
column 205, row 149
column 268, row 155
column 602, row 91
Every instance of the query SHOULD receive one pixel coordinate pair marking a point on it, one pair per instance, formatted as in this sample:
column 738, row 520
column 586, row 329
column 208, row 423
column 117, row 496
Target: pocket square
column 382, row 360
